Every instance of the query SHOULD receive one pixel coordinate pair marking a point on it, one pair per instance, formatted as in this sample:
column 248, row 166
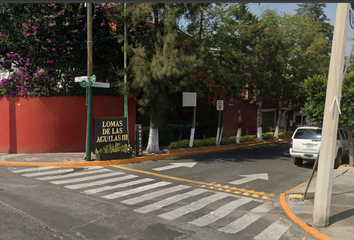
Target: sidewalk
column 341, row 219
column 300, row 211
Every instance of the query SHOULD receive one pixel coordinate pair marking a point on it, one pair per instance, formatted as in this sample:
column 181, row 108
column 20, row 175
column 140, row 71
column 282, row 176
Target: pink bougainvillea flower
column 49, row 41
column 102, row 24
column 50, row 24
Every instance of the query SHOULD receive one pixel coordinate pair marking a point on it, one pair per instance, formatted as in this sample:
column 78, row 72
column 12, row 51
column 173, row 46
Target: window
column 314, row 134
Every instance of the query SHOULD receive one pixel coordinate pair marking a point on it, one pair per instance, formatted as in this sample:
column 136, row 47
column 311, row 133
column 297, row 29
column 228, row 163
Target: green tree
column 158, row 67
column 225, row 30
column 288, row 49
column 316, row 88
column 316, row 12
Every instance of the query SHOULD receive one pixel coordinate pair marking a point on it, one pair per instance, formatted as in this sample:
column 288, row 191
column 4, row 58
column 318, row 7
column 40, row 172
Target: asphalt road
column 155, row 199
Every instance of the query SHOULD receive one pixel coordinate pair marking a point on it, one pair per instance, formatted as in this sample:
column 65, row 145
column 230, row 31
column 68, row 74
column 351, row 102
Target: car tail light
column 291, row 144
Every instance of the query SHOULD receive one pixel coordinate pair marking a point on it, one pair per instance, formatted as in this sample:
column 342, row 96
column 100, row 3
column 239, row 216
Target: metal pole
column 125, row 61
column 89, row 88
column 125, row 68
column 323, row 192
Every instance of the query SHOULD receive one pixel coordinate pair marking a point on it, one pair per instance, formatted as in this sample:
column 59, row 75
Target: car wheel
column 338, row 160
column 298, row 161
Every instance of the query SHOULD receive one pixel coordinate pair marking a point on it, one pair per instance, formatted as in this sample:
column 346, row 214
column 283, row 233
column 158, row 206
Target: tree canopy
column 45, row 47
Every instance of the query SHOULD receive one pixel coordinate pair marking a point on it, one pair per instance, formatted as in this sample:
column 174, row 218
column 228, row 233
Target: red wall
column 55, row 124
column 249, row 119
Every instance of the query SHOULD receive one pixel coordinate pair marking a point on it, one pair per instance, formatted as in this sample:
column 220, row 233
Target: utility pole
column 125, row 61
column 125, row 69
column 89, row 87
column 323, row 192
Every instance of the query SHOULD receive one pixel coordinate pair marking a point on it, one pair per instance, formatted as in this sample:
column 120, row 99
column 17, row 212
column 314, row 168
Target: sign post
column 219, row 107
column 89, row 85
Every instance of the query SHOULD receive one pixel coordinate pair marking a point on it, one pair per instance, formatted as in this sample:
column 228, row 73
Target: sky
column 289, row 8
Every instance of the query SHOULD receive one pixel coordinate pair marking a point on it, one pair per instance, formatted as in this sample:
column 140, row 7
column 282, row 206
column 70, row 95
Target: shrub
column 268, row 135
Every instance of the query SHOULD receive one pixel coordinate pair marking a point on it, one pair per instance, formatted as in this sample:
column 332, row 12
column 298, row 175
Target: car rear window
column 308, row 134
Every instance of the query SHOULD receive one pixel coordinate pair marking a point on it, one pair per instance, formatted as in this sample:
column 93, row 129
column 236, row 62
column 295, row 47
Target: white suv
column 306, row 142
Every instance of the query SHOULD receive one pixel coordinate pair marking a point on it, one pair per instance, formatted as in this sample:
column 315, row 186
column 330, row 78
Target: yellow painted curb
column 295, row 219
column 132, row 160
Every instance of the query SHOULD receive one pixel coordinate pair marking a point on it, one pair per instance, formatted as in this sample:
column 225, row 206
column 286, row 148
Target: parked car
column 306, row 142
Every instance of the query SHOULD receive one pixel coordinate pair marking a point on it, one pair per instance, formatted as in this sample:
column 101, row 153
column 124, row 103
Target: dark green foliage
column 47, row 45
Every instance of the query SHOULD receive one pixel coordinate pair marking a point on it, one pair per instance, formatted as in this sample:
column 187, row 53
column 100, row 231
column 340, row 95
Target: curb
column 298, row 221
column 137, row 159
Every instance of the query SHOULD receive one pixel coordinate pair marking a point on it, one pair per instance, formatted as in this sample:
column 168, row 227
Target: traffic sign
column 220, row 105
column 81, row 78
column 101, row 84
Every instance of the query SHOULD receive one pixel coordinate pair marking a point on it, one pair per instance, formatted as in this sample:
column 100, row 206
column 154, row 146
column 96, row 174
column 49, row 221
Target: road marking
column 48, row 172
column 75, row 180
column 122, row 185
column 97, row 183
column 136, row 190
column 250, row 177
column 220, row 212
column 175, row 165
column 204, row 184
column 33, row 169
column 170, row 200
column 153, row 195
column 179, row 212
column 247, row 219
column 273, row 232
column 74, row 174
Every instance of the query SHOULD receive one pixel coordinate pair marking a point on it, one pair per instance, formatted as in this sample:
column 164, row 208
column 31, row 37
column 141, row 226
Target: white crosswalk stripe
column 247, row 219
column 170, row 200
column 75, row 180
column 162, row 194
column 193, row 206
column 136, row 190
column 59, row 171
column 83, row 173
column 33, row 169
column 122, row 185
column 273, row 232
column 97, row 183
column 220, row 212
column 153, row 195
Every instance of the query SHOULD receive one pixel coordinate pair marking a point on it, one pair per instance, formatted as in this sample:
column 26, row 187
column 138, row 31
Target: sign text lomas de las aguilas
column 112, row 131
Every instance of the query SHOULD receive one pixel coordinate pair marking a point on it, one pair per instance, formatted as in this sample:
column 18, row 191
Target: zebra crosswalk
column 166, row 199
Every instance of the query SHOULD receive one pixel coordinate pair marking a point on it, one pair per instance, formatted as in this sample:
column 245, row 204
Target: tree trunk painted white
column 259, row 121
column 239, row 130
column 280, row 115
column 191, row 139
column 238, row 136
column 285, row 121
column 153, row 142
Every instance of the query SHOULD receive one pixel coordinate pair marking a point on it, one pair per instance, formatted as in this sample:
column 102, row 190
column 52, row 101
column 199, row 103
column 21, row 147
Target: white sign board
column 220, row 105
column 81, row 78
column 189, row 99
column 101, row 84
